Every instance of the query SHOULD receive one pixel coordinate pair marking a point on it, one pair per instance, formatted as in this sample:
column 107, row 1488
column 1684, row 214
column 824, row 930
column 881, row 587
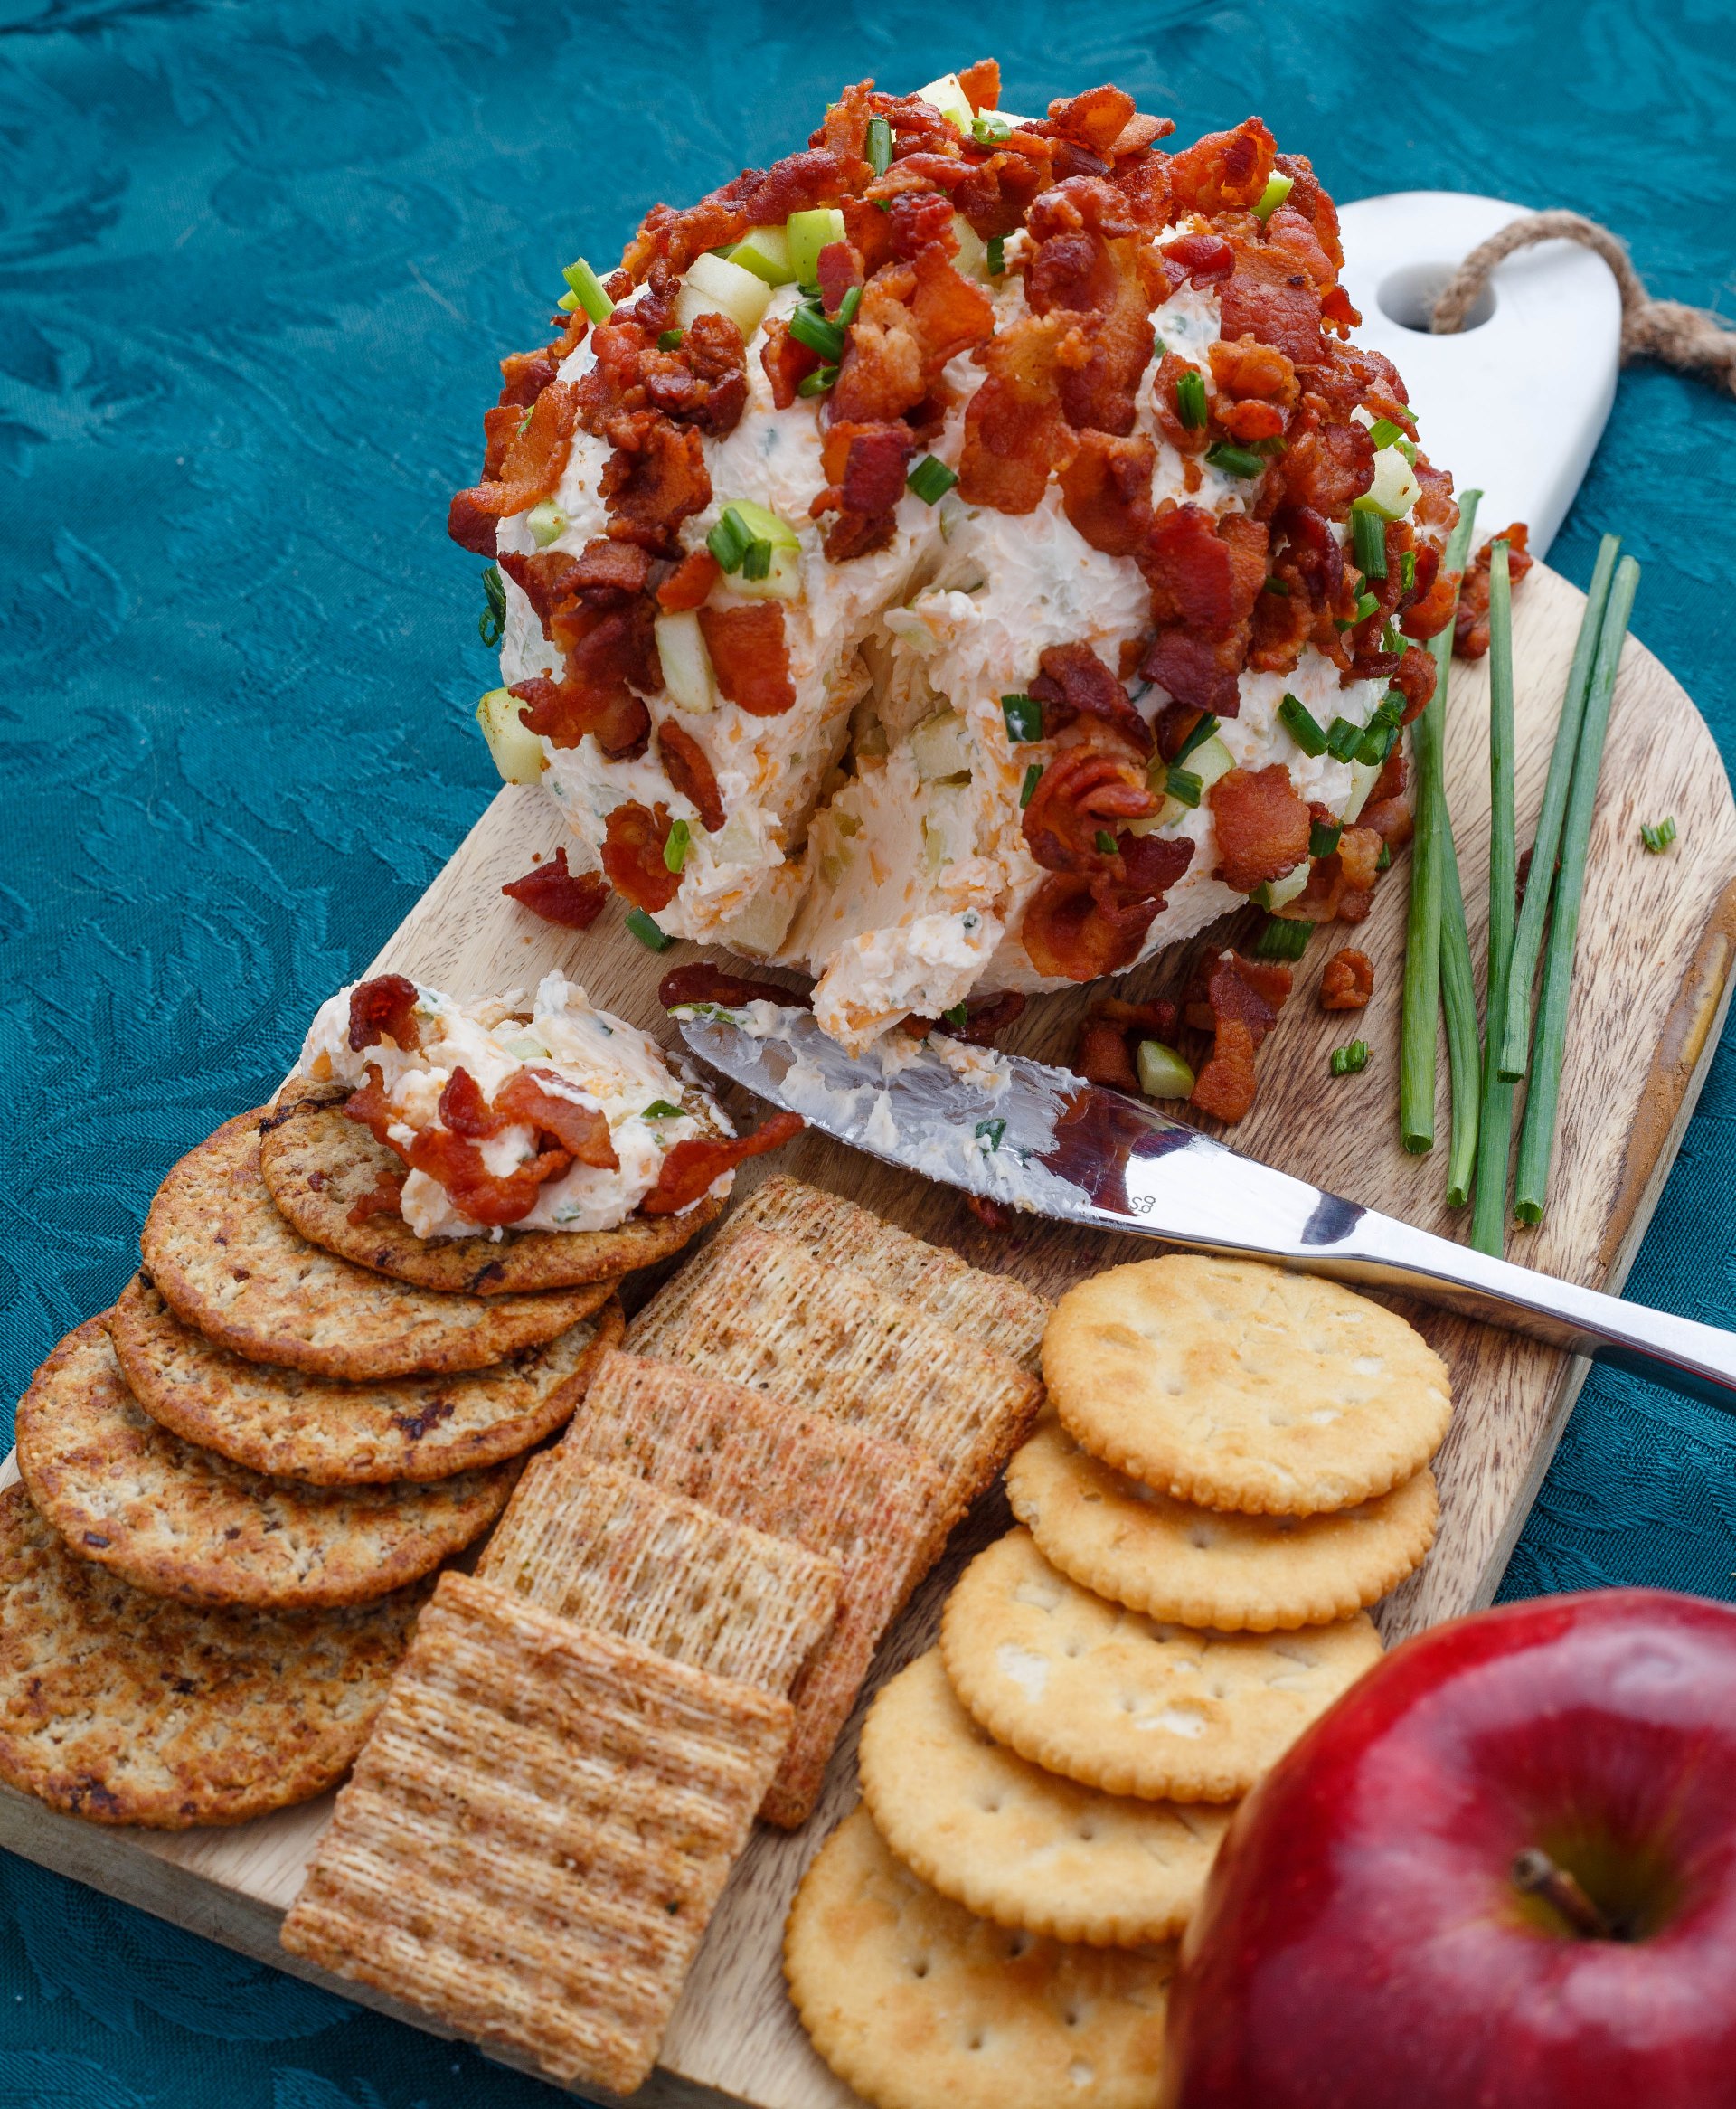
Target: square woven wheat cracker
column 758, row 1308
column 879, row 1509
column 646, row 1563
column 537, row 1832
column 993, row 1310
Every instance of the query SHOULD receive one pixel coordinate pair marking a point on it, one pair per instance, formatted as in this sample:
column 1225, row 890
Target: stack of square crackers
column 1232, row 1467
column 238, row 1482
column 667, row 1632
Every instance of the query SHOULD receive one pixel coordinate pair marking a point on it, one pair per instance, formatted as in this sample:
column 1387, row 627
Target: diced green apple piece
column 1277, row 894
column 1363, row 776
column 1395, row 489
column 973, row 250
column 806, row 235
column 765, row 251
column 518, row 753
column 715, row 286
column 782, row 582
column 546, row 522
column 950, row 100
column 763, row 525
column 1163, row 1074
column 939, row 748
column 687, row 664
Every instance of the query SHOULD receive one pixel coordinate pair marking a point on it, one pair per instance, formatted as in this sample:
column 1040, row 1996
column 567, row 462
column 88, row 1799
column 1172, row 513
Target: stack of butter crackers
column 1231, row 1466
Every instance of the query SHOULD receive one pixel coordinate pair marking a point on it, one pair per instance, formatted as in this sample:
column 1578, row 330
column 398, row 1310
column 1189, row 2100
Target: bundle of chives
column 1537, row 1136
column 1528, row 939
column 1428, row 939
column 1494, row 1122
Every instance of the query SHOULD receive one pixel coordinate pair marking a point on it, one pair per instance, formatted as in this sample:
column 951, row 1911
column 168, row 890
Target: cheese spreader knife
column 1039, row 1139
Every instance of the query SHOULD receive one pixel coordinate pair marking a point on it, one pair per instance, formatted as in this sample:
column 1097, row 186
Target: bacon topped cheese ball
column 969, row 554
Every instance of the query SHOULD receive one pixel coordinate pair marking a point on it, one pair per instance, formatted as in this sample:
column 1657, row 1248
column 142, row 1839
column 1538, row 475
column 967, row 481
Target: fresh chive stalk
column 661, row 1110
column 730, row 540
column 1023, row 715
column 1349, row 1061
column 1105, row 842
column 991, row 1133
column 1368, row 541
column 1458, row 1006
column 1283, row 938
column 646, row 931
column 1323, row 836
column 1183, row 786
column 1537, row 1136
column 1235, row 460
column 1027, row 790
column 588, row 290
column 1494, row 1122
column 1302, row 725
column 848, row 305
column 988, row 129
column 810, row 326
column 1204, row 728
column 1189, row 399
column 1528, row 939
column 1407, row 568
column 1383, row 432
column 998, row 256
column 1658, row 838
column 958, row 1015
column 491, row 624
column 1343, row 736
column 880, row 145
column 932, row 479
column 670, row 340
column 817, row 381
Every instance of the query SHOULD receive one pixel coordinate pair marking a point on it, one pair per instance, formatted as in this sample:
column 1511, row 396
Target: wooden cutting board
column 1651, row 991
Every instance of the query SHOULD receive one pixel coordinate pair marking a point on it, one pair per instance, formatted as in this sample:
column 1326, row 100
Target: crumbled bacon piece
column 690, row 1169
column 633, row 846
column 703, row 983
column 982, row 84
column 1205, row 574
column 1247, row 371
column 1015, row 432
column 1270, row 299
column 1106, row 491
column 786, row 361
column 1328, row 468
column 385, row 1197
column 1262, row 826
column 691, row 582
column 1223, row 170
column 1414, row 678
column 1471, row 624
column 749, row 656
column 1102, row 1056
column 865, row 467
column 384, row 1007
column 1348, row 981
column 530, row 470
column 759, row 197
column 1238, row 1002
column 1341, row 887
column 1388, row 812
column 1085, row 791
column 1072, row 934
column 537, row 1096
column 563, row 712
column 1198, row 259
column 655, row 479
column 1074, row 683
column 689, row 770
column 572, row 899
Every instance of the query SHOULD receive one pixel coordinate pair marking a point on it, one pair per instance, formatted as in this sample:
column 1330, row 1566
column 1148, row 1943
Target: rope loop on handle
column 1693, row 340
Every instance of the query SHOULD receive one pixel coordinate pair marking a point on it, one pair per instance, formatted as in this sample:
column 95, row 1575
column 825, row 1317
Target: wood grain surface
column 1652, row 986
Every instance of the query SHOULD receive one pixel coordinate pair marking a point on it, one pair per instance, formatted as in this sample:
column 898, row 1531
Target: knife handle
column 1378, row 1251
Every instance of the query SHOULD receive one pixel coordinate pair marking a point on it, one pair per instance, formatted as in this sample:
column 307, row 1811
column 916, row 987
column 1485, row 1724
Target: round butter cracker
column 1211, row 1567
column 317, row 1164
column 1237, row 1386
column 917, row 2004
column 1017, row 1844
column 1097, row 1692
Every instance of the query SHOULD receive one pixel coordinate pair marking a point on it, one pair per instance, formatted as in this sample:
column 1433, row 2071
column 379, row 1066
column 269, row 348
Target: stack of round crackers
column 238, row 1482
column 1233, row 1466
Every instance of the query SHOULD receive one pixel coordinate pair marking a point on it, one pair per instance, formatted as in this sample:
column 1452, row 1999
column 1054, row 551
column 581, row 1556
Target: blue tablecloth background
column 257, row 262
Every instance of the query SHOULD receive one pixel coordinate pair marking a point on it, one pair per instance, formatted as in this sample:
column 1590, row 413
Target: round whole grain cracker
column 292, row 1425
column 316, row 1163
column 229, row 1265
column 1114, row 1700
column 917, row 2004
column 124, row 1707
column 1238, row 1386
column 1211, row 1567
column 1019, row 1845
column 178, row 1520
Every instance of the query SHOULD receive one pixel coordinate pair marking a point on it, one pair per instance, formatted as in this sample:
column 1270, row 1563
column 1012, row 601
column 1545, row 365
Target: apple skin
column 1361, row 1945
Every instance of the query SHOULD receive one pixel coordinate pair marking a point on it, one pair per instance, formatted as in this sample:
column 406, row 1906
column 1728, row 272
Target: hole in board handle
column 1407, row 297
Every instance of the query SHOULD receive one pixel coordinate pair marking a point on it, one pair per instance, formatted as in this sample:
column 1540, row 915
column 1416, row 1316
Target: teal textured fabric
column 257, row 262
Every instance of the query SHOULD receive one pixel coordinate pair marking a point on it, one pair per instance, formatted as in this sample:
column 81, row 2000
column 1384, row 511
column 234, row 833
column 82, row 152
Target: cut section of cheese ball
column 968, row 555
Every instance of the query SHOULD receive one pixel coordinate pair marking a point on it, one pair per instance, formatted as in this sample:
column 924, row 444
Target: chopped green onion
column 848, row 305
column 1163, row 1074
column 989, row 129
column 1537, row 1136
column 1366, row 603
column 1495, row 1123
column 588, row 289
column 991, row 1133
column 1384, row 860
column 1283, row 938
column 1348, row 1061
column 1023, row 715
column 1032, row 776
column 1324, row 836
column 491, row 624
column 1277, row 586
column 1659, row 839
column 1278, row 188
column 959, row 1015
column 757, row 562
column 1383, row 432
column 730, row 540
column 932, row 479
column 817, row 381
column 661, row 1110
column 1343, row 736
column 1205, row 728
column 1105, row 843
column 880, row 145
column 1379, row 739
column 808, row 326
column 998, row 256
column 1189, row 399
column 675, row 845
column 1235, row 460
column 1408, row 570
column 1183, row 786
column 1391, row 641
column 1302, row 725
column 1368, row 542
column 646, row 931
column 670, row 340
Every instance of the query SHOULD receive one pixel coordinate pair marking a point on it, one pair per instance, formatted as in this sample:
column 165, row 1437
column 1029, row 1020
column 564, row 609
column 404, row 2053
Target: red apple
column 1501, row 1871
